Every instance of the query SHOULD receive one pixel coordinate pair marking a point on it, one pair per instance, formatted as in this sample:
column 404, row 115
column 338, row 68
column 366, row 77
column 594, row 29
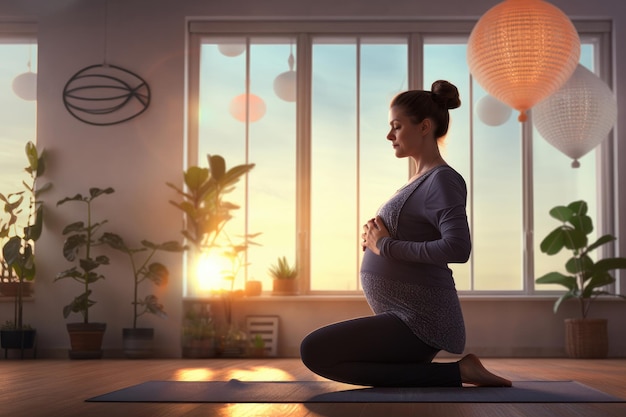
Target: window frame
column 597, row 31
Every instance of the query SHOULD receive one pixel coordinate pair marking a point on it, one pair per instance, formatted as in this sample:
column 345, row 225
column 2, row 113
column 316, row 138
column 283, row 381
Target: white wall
column 139, row 156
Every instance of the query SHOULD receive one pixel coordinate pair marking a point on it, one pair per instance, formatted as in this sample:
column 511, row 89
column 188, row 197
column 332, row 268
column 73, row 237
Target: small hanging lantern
column 232, row 49
column 492, row 111
column 285, row 83
column 578, row 116
column 25, row 84
column 521, row 51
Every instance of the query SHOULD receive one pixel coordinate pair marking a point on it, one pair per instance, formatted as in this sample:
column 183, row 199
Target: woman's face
column 406, row 137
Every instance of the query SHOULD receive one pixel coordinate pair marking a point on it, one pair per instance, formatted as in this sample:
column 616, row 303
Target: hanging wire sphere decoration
column 577, row 117
column 106, row 94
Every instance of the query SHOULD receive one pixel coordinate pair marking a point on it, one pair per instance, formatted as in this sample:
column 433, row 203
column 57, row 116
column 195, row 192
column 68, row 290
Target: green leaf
column 566, row 296
column 554, row 242
column 601, row 241
column 33, row 231
column 576, row 264
column 153, row 306
column 114, row 241
column 598, row 280
column 77, row 197
column 578, row 207
column 96, row 192
column 217, row 166
column 195, row 177
column 33, row 158
column 158, row 273
column 574, row 239
column 583, row 224
column 11, row 250
column 561, row 213
column 568, row 282
column 608, row 264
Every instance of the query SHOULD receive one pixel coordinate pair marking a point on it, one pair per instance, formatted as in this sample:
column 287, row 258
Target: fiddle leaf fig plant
column 584, row 278
column 144, row 270
column 18, row 251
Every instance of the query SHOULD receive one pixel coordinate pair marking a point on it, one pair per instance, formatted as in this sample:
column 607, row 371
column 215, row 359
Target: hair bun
column 445, row 94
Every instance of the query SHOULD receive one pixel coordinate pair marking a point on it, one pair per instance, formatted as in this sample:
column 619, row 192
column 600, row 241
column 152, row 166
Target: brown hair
column 420, row 104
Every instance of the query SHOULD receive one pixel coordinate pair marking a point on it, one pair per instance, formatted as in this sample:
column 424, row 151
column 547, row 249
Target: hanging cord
column 105, row 34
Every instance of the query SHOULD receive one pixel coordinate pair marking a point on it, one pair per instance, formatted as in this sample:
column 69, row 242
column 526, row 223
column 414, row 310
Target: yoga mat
column 235, row 391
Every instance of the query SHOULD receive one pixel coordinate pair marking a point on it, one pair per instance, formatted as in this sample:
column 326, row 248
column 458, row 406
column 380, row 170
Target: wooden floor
column 58, row 388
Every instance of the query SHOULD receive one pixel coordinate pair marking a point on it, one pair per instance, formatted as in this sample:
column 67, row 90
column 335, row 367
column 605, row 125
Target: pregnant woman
column 404, row 275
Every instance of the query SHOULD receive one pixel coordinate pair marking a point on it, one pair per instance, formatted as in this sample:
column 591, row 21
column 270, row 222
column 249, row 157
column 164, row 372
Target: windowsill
column 360, row 298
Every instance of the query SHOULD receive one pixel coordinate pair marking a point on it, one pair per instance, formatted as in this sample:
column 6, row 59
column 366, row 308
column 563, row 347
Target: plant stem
column 88, row 256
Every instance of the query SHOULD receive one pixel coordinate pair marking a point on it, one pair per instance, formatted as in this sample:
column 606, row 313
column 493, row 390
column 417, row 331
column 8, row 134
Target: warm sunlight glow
column 260, row 373
column 193, row 374
column 211, row 270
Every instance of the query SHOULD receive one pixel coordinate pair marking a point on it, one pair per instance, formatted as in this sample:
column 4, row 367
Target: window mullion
column 303, row 159
column 528, row 261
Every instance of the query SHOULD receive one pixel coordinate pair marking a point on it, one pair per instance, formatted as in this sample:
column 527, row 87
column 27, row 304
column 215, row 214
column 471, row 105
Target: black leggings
column 376, row 351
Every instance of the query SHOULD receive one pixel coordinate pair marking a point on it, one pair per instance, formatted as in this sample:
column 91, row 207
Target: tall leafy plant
column 584, row 278
column 82, row 238
column 206, row 211
column 18, row 251
column 145, row 271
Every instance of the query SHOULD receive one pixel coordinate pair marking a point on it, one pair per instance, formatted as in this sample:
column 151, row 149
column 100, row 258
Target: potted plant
column 138, row 341
column 18, row 250
column 284, row 277
column 584, row 279
column 257, row 346
column 82, row 238
column 199, row 335
column 206, row 214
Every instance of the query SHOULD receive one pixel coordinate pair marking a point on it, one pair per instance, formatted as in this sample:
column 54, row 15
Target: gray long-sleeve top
column 410, row 278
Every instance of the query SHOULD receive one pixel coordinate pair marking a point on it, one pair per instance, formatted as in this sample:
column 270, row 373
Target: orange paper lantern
column 242, row 104
column 521, row 51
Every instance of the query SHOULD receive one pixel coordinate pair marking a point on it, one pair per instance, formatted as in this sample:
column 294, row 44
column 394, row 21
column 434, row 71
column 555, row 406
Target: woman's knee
column 308, row 351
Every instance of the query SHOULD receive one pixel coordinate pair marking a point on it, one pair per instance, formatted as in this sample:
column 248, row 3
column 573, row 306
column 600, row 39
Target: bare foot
column 473, row 372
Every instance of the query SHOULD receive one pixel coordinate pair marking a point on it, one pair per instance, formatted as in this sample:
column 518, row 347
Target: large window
column 18, row 68
column 307, row 103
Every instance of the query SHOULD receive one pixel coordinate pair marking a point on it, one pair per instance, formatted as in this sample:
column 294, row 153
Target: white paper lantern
column 492, row 111
column 231, row 49
column 25, row 86
column 285, row 83
column 255, row 105
column 285, row 86
column 578, row 116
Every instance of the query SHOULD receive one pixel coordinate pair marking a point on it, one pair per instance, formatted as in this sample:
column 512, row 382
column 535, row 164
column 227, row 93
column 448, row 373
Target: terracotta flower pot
column 285, row 287
column 253, row 288
column 86, row 340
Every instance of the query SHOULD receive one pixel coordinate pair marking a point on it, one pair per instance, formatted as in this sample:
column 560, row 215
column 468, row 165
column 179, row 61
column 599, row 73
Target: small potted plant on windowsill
column 86, row 336
column 585, row 278
column 284, row 277
column 139, row 341
column 257, row 346
column 18, row 251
